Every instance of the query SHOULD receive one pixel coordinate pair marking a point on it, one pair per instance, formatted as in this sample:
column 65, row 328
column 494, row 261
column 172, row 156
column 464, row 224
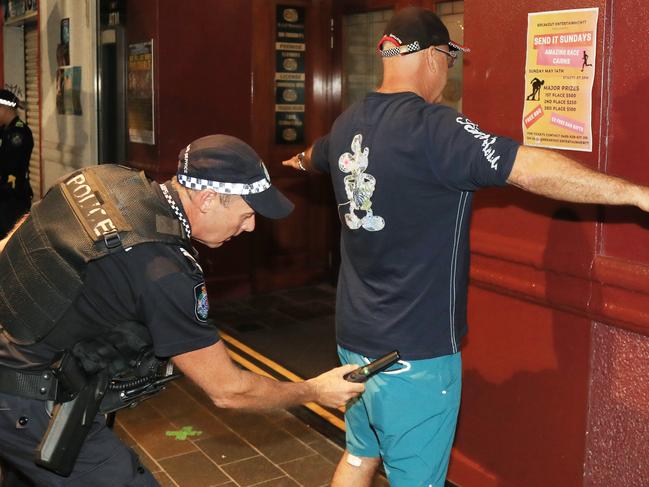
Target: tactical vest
column 85, row 216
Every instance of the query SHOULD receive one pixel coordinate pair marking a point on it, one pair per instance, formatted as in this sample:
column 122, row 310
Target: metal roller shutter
column 32, row 105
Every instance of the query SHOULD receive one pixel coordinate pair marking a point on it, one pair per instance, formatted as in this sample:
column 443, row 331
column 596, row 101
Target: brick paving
column 233, row 448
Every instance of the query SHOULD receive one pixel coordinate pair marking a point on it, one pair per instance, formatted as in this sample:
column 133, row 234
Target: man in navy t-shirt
column 404, row 169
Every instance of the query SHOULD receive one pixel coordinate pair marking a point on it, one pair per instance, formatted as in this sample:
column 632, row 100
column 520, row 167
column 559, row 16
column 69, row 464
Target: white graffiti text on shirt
column 487, row 140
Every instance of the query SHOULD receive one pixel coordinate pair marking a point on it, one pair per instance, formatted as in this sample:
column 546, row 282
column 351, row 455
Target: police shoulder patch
column 201, row 304
column 16, row 139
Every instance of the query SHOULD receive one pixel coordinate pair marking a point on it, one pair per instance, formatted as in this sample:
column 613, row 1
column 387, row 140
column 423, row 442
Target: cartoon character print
column 359, row 187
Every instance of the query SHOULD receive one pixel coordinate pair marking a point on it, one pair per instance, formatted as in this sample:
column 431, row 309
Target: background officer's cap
column 8, row 99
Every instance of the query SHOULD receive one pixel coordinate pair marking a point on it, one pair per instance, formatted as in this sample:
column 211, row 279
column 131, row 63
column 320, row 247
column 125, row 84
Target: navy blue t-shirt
column 404, row 172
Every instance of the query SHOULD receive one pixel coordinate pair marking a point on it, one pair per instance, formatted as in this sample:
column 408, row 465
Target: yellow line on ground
column 319, row 410
column 264, row 360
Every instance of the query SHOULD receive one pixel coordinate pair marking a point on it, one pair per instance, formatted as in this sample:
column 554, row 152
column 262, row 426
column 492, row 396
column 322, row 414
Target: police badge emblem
column 201, row 306
column 16, row 139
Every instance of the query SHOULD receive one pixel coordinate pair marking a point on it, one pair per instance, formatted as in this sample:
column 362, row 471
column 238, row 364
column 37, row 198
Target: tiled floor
column 295, row 329
column 225, row 447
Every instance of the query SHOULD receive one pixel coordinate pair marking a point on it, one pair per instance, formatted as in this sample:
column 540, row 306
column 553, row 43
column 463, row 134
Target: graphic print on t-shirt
column 359, row 187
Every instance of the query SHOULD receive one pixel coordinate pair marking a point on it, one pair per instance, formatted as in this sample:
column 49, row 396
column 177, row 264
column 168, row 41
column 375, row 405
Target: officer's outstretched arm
column 551, row 174
column 231, row 387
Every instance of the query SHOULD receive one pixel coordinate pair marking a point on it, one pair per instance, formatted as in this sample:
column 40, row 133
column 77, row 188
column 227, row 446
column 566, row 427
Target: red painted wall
column 555, row 364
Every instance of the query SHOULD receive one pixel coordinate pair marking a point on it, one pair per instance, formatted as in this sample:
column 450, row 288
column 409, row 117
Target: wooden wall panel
column 296, row 250
column 142, row 26
column 202, row 74
column 205, row 57
column 202, row 69
column 214, row 73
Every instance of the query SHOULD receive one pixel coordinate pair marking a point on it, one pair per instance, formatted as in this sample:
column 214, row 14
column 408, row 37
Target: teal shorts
column 407, row 416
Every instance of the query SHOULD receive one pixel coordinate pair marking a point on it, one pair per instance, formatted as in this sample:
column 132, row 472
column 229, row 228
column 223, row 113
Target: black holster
column 70, row 424
column 104, row 374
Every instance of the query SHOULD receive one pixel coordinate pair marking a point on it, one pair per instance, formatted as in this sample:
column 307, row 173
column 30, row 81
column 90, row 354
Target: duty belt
column 40, row 384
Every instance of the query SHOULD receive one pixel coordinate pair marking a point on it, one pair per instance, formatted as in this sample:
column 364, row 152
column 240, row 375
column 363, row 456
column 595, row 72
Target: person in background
column 16, row 144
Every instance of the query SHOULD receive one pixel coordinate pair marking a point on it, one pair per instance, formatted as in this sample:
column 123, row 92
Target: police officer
column 105, row 259
column 16, row 144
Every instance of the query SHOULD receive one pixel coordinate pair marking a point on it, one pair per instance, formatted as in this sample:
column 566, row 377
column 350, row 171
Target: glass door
column 452, row 14
column 362, row 68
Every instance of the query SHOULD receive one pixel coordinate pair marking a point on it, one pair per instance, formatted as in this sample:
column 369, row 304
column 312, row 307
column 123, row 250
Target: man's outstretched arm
column 301, row 161
column 551, row 174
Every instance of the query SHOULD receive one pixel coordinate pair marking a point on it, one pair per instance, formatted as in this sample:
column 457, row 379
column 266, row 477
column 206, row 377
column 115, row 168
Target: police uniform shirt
column 16, row 144
column 159, row 285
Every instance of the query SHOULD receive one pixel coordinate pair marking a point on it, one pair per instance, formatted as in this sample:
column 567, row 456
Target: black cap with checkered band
column 228, row 165
column 413, row 29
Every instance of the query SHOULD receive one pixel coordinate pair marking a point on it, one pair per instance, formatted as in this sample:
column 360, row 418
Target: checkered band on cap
column 397, row 51
column 226, row 188
column 8, row 103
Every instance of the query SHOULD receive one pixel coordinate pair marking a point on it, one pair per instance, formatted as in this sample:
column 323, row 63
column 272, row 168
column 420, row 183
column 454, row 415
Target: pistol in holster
column 76, row 405
column 81, row 396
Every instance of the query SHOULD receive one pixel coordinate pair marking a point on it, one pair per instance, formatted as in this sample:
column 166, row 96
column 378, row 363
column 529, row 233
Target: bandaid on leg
column 353, row 460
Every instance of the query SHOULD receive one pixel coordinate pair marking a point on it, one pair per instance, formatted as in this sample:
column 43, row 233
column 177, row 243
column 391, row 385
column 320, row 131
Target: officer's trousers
column 104, row 461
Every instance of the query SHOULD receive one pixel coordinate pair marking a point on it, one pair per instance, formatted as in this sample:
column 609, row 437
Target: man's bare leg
column 355, row 471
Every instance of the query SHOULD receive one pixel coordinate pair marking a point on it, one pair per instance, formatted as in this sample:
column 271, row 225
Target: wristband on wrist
column 300, row 161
